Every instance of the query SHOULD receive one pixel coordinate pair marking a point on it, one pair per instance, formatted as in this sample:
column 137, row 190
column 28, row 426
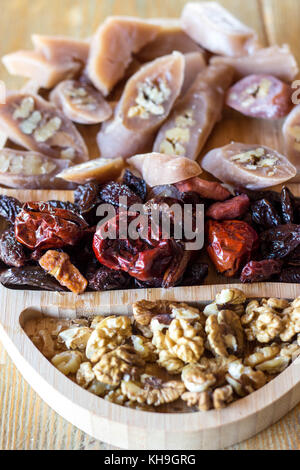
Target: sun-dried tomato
column 258, row 271
column 144, row 258
column 39, row 225
column 230, row 245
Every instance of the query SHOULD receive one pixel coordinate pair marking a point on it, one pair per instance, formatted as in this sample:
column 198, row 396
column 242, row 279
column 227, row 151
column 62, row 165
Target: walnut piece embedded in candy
column 75, row 338
column 153, row 391
column 261, row 322
column 150, row 99
column 67, row 362
column 243, row 379
column 225, row 333
column 108, row 334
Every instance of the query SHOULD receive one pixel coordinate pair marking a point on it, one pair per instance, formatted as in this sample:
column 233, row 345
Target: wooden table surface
column 26, row 422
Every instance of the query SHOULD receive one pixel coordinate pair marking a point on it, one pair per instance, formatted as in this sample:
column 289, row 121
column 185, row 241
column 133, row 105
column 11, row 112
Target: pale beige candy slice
column 114, row 139
column 214, row 28
column 34, row 65
column 31, row 87
column 170, row 38
column 112, row 47
column 158, row 169
column 81, row 103
column 35, row 124
column 31, row 170
column 250, row 166
column 291, row 133
column 62, row 49
column 195, row 115
column 275, row 60
column 99, row 170
column 150, row 93
column 194, row 63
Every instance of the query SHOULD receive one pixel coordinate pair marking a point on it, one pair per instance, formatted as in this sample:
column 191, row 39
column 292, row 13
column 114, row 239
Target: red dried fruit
column 230, row 245
column 257, row 271
column 39, row 225
column 206, row 189
column 231, row 209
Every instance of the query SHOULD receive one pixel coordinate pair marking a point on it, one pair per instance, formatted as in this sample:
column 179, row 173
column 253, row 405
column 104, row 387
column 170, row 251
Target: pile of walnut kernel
column 173, row 357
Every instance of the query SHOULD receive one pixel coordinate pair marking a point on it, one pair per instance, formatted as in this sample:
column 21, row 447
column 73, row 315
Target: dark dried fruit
column 86, row 197
column 272, row 196
column 257, row 271
column 287, row 206
column 290, row 275
column 177, row 268
column 232, row 209
column 294, row 258
column 265, row 215
column 9, row 208
column 103, row 279
column 137, row 185
column 154, row 283
column 29, row 276
column 206, row 189
column 111, row 193
column 12, row 253
column 66, row 205
column 195, row 274
column 39, row 225
column 279, row 242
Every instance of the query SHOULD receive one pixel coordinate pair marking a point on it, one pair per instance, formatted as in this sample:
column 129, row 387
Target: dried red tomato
column 230, row 245
column 39, row 225
column 144, row 259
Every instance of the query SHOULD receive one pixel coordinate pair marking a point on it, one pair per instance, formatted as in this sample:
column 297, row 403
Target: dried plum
column 87, row 197
column 103, row 279
column 155, row 283
column 279, row 242
column 287, row 206
column 258, row 271
column 195, row 275
column 137, row 185
column 176, row 269
column 110, row 193
column 9, row 208
column 264, row 214
column 12, row 253
column 272, row 196
column 290, row 275
column 294, row 258
column 30, row 276
column 66, row 205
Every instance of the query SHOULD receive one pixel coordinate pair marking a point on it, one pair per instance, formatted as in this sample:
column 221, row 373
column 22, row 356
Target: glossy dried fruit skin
column 86, row 197
column 137, row 185
column 111, row 192
column 265, row 215
column 34, row 123
column 58, row 265
column 280, row 242
column 217, row 30
column 81, row 103
column 206, row 189
column 230, row 245
column 39, row 225
column 30, row 276
column 287, row 206
column 290, row 275
column 195, row 274
column 258, row 271
column 9, row 208
column 260, row 96
column 228, row 210
column 104, row 279
column 12, row 253
column 195, row 115
column 253, row 167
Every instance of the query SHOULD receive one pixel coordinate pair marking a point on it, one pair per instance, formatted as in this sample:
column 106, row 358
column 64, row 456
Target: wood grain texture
column 26, row 422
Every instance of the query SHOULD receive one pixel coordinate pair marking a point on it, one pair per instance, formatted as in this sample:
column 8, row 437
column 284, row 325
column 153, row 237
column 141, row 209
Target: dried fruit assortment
column 172, row 357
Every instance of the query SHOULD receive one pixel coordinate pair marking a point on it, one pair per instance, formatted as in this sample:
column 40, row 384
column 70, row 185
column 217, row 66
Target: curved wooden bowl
column 127, row 428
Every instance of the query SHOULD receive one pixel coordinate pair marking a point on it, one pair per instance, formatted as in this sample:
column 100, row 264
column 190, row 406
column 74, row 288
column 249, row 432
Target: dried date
column 103, row 279
column 232, row 209
column 258, row 271
column 290, row 275
column 29, row 276
column 279, row 242
column 264, row 214
column 9, row 208
column 137, row 185
column 195, row 274
column 12, row 253
column 66, row 205
column 86, row 197
column 287, row 206
column 111, row 193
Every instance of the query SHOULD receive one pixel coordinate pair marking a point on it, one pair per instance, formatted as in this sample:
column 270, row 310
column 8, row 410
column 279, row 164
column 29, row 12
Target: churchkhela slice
column 62, row 49
column 30, row 121
column 291, row 133
column 195, row 115
column 214, row 28
column 194, row 64
column 277, row 61
column 157, row 169
column 249, row 166
column 81, row 103
column 31, row 170
column 99, row 170
column 260, row 96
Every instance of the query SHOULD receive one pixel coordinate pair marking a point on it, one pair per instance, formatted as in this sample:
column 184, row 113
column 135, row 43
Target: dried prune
column 87, row 197
column 9, row 208
column 294, row 258
column 111, row 193
column 177, row 268
column 154, row 283
column 257, row 271
column 290, row 275
column 231, row 209
column 66, row 205
column 264, row 214
column 272, row 196
column 29, row 276
column 137, row 185
column 287, row 206
column 12, row 253
column 279, row 242
column 103, row 279
column 195, row 274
